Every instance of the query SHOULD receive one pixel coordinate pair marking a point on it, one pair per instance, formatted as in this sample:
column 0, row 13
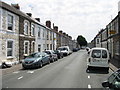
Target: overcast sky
column 75, row 17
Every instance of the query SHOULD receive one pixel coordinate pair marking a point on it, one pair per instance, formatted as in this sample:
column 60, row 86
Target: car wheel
column 53, row 60
column 49, row 62
column 41, row 64
column 107, row 69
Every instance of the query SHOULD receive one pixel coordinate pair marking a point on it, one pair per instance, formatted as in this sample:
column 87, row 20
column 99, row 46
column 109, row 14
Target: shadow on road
column 97, row 71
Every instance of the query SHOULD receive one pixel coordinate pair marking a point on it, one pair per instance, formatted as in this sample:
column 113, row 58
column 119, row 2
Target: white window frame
column 32, row 31
column 28, row 47
column 26, row 21
column 32, row 46
column 39, row 32
column 12, row 48
column 39, row 46
column 13, row 29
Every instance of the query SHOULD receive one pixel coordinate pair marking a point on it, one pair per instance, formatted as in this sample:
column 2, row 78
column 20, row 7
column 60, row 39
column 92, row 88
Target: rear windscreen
column 96, row 53
column 104, row 54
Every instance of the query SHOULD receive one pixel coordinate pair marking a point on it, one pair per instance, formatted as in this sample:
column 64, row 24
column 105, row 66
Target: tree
column 81, row 40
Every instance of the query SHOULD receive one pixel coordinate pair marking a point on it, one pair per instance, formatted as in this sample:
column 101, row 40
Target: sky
column 74, row 17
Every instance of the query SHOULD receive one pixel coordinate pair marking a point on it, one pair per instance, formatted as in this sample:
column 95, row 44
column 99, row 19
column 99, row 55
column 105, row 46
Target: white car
column 65, row 50
column 98, row 57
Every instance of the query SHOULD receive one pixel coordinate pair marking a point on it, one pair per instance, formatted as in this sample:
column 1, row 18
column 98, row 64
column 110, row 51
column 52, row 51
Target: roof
column 18, row 12
column 98, row 48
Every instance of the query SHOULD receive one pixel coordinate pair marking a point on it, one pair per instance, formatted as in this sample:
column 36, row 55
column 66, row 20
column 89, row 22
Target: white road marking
column 16, row 72
column 20, row 77
column 30, row 72
column 6, row 87
column 89, row 77
column 89, row 86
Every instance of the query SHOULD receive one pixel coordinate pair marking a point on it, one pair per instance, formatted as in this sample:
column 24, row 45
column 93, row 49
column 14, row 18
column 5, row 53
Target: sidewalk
column 11, row 69
column 113, row 68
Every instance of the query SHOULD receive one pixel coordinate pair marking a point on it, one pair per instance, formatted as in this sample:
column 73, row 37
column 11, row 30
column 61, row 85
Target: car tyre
column 41, row 64
column 49, row 62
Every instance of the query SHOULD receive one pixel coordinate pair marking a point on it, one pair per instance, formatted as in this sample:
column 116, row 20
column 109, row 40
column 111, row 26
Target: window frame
column 13, row 24
column 26, row 21
column 12, row 48
column 32, row 30
column 28, row 47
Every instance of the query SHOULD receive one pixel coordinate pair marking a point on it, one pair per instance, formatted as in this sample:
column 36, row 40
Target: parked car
column 113, row 81
column 88, row 50
column 53, row 56
column 59, row 54
column 98, row 57
column 36, row 60
column 65, row 50
column 75, row 49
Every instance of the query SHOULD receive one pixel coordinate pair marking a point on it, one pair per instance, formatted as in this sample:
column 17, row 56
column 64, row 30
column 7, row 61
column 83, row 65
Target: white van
column 98, row 57
column 65, row 50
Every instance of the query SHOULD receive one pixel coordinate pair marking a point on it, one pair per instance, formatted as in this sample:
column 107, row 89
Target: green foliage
column 81, row 40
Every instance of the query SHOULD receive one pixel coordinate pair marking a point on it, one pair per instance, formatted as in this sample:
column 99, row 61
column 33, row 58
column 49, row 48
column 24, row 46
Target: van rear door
column 105, row 57
column 96, row 57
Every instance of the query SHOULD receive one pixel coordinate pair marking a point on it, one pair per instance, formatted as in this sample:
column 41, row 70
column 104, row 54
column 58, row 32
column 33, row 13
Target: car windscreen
column 34, row 55
column 62, row 49
column 96, row 53
column 48, row 52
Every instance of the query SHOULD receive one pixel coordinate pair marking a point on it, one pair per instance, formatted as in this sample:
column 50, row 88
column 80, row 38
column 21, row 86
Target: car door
column 105, row 57
column 96, row 57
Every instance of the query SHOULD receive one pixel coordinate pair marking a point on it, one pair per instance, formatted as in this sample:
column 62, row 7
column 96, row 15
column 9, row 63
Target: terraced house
column 21, row 34
column 110, row 38
column 9, row 33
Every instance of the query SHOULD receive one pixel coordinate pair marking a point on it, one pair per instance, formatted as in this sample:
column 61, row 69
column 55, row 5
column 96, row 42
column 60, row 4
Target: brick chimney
column 48, row 24
column 16, row 6
column 38, row 19
column 56, row 28
column 29, row 14
column 60, row 31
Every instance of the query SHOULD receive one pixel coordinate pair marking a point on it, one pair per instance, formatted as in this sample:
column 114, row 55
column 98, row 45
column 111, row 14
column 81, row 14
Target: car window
column 32, row 55
column 104, row 54
column 47, row 52
column 96, row 53
column 111, row 78
column 116, row 81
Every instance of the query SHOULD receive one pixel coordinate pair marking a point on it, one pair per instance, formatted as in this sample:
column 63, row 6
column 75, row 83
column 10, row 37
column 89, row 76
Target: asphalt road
column 68, row 72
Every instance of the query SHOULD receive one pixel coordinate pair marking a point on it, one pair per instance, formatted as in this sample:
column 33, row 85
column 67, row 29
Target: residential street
column 68, row 72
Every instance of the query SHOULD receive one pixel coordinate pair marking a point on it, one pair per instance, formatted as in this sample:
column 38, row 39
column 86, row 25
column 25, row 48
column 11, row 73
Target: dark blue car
column 36, row 60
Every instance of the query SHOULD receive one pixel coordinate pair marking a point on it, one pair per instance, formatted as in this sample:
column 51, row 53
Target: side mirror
column 106, row 84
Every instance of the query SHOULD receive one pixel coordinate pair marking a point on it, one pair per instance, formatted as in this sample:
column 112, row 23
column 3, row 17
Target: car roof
column 98, row 48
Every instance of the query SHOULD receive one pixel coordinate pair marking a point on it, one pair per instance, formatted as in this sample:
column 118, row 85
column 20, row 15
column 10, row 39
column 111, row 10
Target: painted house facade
column 21, row 34
column 110, row 39
column 9, row 33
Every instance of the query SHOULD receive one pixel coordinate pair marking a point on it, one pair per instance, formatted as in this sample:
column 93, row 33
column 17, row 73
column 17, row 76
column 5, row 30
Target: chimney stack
column 38, row 19
column 48, row 24
column 29, row 14
column 56, row 28
column 16, row 6
column 60, row 31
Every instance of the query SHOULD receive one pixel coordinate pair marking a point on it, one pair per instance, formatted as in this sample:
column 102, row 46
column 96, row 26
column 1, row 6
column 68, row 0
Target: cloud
column 75, row 17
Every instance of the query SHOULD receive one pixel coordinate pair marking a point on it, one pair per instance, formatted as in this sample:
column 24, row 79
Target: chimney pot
column 38, row 19
column 48, row 24
column 29, row 14
column 16, row 6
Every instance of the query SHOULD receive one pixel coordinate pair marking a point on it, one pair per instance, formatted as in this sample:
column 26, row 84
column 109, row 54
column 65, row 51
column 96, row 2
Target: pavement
column 11, row 69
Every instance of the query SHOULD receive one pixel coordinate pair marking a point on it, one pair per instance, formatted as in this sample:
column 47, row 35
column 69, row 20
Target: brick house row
column 21, row 34
column 110, row 38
